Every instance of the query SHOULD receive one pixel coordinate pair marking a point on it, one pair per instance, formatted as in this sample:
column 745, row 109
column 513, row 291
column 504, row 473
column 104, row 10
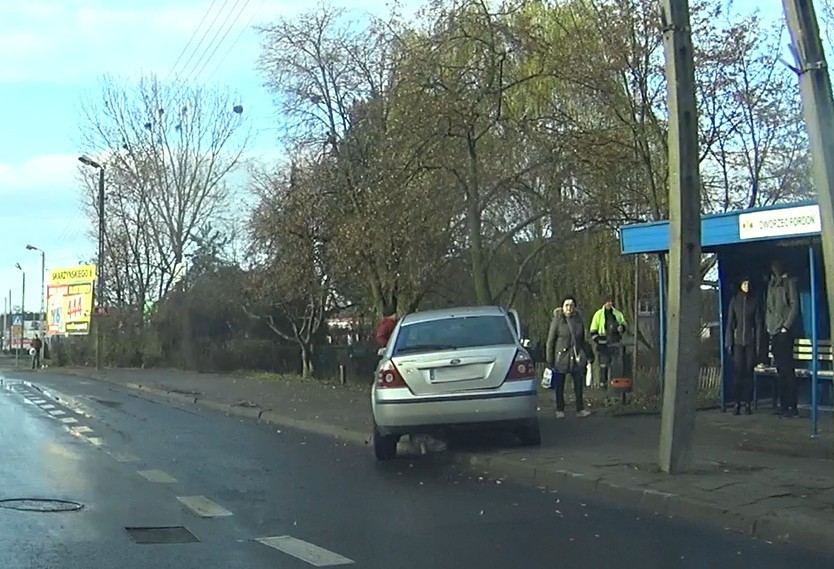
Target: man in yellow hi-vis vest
column 607, row 328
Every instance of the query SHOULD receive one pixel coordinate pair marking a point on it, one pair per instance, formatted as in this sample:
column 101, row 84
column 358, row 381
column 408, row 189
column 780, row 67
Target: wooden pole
column 818, row 108
column 683, row 317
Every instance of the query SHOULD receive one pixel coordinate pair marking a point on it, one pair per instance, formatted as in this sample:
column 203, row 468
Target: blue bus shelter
column 745, row 243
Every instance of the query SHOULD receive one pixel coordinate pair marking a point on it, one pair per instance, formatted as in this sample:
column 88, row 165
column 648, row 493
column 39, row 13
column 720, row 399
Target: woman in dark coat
column 742, row 339
column 568, row 352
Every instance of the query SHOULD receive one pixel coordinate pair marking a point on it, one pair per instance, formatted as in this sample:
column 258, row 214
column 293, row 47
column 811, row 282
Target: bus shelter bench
column 802, row 351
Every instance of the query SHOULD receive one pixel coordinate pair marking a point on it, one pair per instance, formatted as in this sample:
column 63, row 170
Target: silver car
column 454, row 367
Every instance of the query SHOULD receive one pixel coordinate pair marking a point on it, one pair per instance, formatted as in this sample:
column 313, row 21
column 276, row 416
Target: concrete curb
column 790, row 527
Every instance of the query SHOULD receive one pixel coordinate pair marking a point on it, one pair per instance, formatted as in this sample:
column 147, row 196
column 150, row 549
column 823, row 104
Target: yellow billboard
column 69, row 300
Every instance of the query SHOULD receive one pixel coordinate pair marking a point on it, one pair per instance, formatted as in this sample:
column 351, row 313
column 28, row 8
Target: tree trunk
column 306, row 359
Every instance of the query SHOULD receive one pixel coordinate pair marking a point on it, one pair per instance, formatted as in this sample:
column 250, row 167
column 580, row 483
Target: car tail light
column 389, row 376
column 522, row 368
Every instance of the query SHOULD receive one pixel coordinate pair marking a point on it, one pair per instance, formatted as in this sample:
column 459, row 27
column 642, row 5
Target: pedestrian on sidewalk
column 742, row 339
column 781, row 317
column 607, row 328
column 37, row 345
column 386, row 326
column 568, row 352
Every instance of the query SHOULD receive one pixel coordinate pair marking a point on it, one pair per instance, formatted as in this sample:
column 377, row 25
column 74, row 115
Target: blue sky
column 52, row 54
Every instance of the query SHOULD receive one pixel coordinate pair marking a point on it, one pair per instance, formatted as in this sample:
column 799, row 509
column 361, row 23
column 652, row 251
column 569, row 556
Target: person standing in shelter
column 568, row 352
column 742, row 339
column 781, row 318
column 607, row 328
column 386, row 326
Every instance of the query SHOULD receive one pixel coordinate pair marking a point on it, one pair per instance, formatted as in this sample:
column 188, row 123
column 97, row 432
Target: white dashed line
column 95, row 441
column 69, row 420
column 47, row 406
column 203, row 507
column 305, row 551
column 80, row 430
column 57, row 412
column 157, row 476
column 38, row 401
column 123, row 457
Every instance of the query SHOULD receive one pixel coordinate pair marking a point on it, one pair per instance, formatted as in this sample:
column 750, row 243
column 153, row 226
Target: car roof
column 441, row 314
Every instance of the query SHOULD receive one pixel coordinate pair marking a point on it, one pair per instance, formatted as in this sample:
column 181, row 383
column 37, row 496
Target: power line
column 219, row 43
column 191, row 39
column 202, row 39
column 237, row 39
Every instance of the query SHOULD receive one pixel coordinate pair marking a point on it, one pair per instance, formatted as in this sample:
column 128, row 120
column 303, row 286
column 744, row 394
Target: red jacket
column 384, row 331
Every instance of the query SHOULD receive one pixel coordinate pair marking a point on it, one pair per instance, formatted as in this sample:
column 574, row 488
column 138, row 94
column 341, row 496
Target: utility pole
column 22, row 313
column 9, row 327
column 98, row 294
column 100, row 299
column 818, row 108
column 684, row 304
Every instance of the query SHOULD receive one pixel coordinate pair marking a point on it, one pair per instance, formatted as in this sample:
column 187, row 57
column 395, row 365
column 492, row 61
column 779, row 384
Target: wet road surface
column 253, row 496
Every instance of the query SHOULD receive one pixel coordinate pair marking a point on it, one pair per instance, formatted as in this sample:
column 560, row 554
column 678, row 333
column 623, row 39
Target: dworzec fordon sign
column 780, row 222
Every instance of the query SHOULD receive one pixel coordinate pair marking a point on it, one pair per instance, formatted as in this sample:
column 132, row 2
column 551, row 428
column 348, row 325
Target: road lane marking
column 122, row 457
column 305, row 551
column 156, row 476
column 204, row 507
column 48, row 406
column 80, row 430
column 57, row 412
column 95, row 441
column 69, row 420
column 38, row 401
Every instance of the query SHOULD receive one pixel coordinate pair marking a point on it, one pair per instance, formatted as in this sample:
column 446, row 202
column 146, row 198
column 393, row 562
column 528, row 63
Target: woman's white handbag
column 547, row 377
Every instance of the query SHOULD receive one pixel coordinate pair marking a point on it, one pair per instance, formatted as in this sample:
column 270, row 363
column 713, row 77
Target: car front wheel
column 385, row 446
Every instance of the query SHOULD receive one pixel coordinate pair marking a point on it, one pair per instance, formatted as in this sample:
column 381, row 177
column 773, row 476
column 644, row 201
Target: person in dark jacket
column 742, row 339
column 781, row 318
column 568, row 352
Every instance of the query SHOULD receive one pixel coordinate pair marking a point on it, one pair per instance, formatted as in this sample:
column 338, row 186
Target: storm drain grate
column 172, row 534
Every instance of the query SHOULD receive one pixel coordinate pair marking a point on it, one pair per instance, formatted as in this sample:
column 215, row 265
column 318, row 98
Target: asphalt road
column 135, row 462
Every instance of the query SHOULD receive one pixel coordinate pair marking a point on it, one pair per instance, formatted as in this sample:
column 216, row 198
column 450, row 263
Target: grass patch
column 295, row 378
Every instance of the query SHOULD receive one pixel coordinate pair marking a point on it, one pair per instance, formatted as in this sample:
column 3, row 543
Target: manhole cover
column 40, row 505
column 172, row 534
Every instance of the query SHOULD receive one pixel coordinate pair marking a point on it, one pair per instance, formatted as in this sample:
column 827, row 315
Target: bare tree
column 347, row 105
column 169, row 150
column 292, row 288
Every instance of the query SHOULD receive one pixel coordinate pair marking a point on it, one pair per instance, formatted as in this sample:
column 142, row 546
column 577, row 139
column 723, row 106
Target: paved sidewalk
column 760, row 475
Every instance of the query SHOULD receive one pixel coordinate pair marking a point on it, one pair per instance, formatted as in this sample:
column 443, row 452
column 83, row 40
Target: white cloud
column 46, row 172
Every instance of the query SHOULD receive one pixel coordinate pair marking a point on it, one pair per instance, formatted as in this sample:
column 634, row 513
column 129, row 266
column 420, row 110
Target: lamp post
column 22, row 313
column 42, row 317
column 98, row 295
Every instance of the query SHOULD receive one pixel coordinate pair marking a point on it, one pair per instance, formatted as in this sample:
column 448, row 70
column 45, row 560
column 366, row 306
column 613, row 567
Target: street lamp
column 22, row 313
column 42, row 317
column 99, row 293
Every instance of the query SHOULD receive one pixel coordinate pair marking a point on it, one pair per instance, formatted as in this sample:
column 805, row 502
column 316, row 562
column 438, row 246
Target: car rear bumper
column 399, row 413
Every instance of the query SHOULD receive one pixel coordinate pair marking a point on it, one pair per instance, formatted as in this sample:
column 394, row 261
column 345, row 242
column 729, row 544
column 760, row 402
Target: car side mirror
column 381, row 352
column 526, row 342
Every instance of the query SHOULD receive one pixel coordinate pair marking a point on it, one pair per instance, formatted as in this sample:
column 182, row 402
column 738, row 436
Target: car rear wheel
column 530, row 434
column 385, row 446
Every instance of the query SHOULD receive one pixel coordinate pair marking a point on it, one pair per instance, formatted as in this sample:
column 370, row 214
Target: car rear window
column 454, row 333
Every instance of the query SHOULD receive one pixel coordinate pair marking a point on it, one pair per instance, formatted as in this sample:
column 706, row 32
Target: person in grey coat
column 568, row 352
column 781, row 319
column 742, row 341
